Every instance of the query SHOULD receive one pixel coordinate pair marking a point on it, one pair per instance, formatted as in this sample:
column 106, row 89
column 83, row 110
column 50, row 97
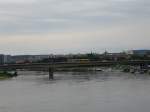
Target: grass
column 6, row 75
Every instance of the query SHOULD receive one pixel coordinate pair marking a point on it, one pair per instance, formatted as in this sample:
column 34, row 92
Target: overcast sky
column 73, row 26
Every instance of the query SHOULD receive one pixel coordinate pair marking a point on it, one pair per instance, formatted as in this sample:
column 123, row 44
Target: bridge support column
column 51, row 73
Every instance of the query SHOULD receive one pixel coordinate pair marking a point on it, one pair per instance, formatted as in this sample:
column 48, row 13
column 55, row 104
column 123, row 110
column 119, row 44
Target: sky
column 73, row 26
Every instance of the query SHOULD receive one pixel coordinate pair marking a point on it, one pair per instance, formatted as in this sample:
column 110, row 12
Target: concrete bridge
column 51, row 67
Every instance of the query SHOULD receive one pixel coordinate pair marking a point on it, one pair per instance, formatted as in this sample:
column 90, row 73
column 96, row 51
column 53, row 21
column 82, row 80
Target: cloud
column 116, row 38
column 16, row 1
column 94, row 24
column 51, row 15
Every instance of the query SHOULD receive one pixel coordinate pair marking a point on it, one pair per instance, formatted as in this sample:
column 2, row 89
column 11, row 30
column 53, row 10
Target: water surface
column 76, row 92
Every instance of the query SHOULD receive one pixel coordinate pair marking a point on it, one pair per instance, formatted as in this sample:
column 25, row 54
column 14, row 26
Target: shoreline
column 6, row 75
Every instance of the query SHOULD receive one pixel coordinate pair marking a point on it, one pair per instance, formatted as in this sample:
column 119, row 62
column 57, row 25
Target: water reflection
column 78, row 77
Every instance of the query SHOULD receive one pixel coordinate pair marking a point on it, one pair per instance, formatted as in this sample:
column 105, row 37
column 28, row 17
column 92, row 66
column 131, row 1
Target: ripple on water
column 76, row 92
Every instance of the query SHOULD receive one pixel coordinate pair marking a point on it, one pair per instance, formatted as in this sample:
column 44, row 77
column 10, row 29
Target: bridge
column 51, row 67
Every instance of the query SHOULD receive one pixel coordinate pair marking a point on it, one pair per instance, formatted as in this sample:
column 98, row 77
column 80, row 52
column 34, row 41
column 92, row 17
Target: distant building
column 1, row 59
column 138, row 52
column 27, row 58
column 7, row 59
column 114, row 56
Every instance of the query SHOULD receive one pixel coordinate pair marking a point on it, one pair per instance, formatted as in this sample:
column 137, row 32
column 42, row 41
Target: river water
column 76, row 92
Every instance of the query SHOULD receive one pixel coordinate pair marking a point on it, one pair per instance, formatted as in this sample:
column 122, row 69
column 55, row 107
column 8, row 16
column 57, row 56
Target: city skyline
column 76, row 26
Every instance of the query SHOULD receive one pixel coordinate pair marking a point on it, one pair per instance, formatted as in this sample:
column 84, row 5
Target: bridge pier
column 51, row 73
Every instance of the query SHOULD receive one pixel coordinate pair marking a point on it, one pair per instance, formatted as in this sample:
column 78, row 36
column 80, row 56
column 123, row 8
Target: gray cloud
column 43, row 17
column 49, row 15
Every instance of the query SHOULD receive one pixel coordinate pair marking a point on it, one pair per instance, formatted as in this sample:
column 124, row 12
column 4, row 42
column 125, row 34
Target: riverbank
column 6, row 75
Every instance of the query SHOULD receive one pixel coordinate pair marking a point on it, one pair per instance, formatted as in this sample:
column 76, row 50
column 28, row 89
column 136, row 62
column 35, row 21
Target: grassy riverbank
column 6, row 75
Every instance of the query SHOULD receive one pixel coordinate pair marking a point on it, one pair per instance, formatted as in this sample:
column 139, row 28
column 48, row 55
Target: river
column 76, row 92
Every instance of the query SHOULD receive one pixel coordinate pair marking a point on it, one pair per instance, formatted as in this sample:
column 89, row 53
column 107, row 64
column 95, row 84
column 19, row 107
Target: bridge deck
column 45, row 66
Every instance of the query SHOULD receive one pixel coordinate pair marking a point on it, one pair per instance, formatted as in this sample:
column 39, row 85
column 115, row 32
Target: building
column 138, row 52
column 1, row 59
column 7, row 59
column 27, row 58
column 114, row 56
